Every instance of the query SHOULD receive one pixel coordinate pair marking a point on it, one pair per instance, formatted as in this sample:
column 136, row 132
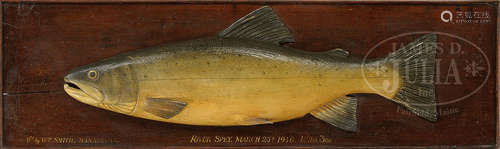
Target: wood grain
column 42, row 42
column 1, row 76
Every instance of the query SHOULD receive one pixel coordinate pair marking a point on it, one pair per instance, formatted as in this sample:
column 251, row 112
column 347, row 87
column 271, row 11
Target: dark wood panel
column 1, row 76
column 498, row 81
column 42, row 42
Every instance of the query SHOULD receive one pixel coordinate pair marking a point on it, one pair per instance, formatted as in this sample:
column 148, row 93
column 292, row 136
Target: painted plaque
column 42, row 42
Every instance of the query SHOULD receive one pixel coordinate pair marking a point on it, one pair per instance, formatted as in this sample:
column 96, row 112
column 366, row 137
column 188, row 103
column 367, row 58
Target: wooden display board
column 42, row 41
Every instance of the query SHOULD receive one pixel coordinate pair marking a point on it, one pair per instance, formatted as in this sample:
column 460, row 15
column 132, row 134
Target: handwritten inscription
column 445, row 111
column 70, row 140
column 260, row 139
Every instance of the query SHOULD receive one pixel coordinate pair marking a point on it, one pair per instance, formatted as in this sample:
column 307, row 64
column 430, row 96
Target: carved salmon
column 245, row 76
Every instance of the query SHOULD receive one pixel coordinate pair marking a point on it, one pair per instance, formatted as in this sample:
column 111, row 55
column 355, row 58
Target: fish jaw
column 82, row 93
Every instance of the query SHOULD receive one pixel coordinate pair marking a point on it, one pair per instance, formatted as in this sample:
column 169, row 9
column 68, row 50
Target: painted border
column 497, row 143
column 262, row 1
column 497, row 4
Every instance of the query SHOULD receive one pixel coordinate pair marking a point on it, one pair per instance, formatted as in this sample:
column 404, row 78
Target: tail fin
column 416, row 65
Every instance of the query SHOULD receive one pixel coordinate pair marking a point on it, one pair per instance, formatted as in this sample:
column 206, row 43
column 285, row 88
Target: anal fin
column 256, row 121
column 340, row 112
column 162, row 107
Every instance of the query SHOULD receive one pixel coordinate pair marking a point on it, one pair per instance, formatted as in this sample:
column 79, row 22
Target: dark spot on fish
column 208, row 63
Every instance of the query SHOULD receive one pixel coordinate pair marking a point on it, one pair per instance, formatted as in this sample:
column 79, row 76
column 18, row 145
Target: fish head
column 106, row 84
column 84, row 86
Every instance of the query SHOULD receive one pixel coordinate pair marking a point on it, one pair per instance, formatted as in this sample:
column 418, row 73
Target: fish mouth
column 72, row 85
column 78, row 92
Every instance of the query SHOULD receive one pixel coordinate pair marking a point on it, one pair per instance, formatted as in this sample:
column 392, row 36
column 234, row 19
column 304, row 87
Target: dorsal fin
column 338, row 52
column 340, row 112
column 262, row 24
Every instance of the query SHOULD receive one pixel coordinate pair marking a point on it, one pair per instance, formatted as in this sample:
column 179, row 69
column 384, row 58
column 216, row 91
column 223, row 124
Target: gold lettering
column 64, row 140
column 222, row 139
column 324, row 139
column 202, row 139
column 69, row 140
column 286, row 139
column 260, row 139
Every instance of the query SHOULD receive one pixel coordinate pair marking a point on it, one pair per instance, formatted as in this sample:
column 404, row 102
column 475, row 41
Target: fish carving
column 245, row 75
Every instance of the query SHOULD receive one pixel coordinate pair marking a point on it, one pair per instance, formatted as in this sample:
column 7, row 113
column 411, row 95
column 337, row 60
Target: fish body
column 241, row 79
column 243, row 76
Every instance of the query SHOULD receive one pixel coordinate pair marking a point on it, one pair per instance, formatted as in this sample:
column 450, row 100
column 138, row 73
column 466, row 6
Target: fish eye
column 92, row 74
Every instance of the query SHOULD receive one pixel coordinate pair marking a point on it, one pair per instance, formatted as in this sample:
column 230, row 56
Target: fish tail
column 416, row 64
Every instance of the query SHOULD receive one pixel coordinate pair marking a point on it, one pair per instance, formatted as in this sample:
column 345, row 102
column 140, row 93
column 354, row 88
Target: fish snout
column 81, row 91
column 71, row 75
column 68, row 83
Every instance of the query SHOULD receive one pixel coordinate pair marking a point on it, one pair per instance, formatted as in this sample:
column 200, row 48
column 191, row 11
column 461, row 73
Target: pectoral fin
column 162, row 107
column 340, row 112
